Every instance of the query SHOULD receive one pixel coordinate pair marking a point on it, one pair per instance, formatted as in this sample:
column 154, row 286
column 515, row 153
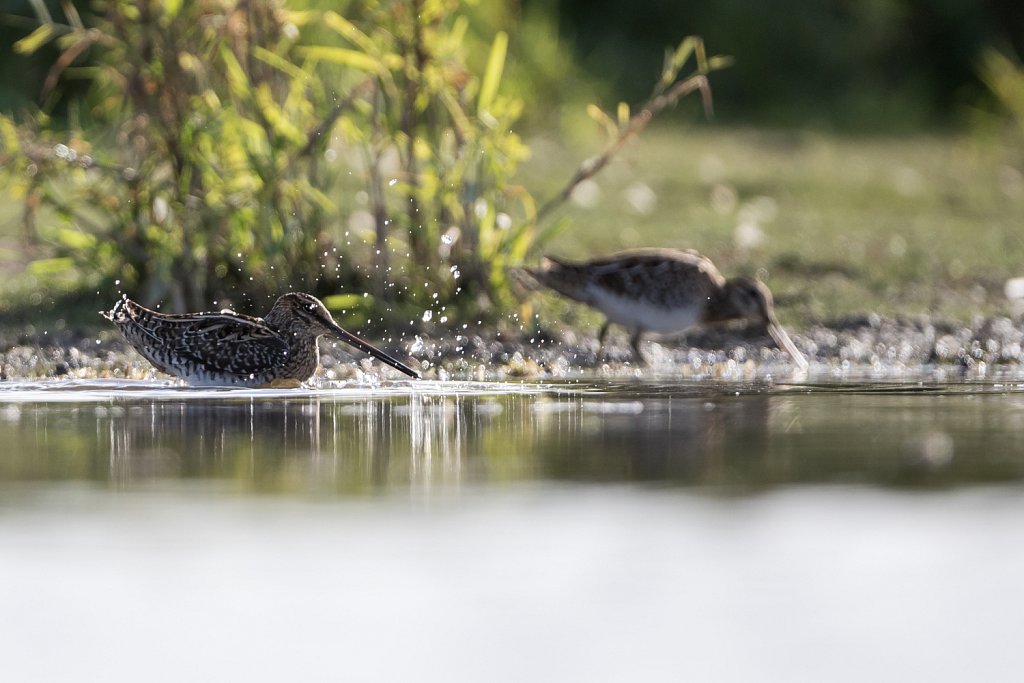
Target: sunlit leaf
column 171, row 8
column 493, row 71
column 35, row 40
column 9, row 135
column 595, row 112
column 76, row 239
column 189, row 62
column 341, row 55
column 301, row 17
column 623, row 112
column 677, row 59
column 279, row 63
column 282, row 125
column 51, row 266
column 454, row 108
column 720, row 62
column 237, row 80
column 341, row 302
column 346, row 29
column 458, row 32
column 319, row 198
column 702, row 58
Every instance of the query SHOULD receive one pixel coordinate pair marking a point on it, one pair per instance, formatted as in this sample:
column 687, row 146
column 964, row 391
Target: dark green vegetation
column 880, row 66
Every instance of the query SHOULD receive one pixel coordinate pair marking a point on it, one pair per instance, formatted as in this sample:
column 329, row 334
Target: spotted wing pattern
column 661, row 277
column 198, row 345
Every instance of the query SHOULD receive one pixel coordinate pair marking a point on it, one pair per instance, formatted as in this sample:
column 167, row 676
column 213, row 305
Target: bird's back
column 218, row 348
column 660, row 277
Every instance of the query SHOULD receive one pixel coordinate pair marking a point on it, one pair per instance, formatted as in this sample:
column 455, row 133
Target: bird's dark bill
column 366, row 347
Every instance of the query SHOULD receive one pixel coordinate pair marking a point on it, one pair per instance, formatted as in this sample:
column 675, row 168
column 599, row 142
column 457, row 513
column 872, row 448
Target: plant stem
column 651, row 108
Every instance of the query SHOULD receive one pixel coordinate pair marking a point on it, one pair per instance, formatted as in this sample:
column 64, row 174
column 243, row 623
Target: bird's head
column 751, row 300
column 298, row 313
column 303, row 315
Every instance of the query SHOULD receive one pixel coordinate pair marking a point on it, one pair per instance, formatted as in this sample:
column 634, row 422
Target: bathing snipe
column 663, row 290
column 226, row 348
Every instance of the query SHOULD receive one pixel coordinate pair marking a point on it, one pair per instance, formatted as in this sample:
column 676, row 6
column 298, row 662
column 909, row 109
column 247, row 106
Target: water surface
column 588, row 530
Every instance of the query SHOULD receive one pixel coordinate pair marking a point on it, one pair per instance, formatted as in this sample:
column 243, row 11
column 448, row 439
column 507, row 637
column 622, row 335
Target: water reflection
column 688, row 440
column 741, row 438
column 296, row 445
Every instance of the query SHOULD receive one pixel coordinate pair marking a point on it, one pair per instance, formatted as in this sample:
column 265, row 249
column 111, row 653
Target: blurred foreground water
column 505, row 532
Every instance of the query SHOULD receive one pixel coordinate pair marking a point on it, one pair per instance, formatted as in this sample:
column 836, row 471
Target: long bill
column 355, row 341
column 785, row 343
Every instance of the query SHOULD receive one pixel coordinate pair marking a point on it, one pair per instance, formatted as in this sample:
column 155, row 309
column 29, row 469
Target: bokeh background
column 863, row 157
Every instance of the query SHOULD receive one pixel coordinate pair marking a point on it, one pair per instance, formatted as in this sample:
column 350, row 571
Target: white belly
column 639, row 314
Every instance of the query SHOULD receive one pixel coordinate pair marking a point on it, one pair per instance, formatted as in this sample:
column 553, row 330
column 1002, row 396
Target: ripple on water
column 96, row 390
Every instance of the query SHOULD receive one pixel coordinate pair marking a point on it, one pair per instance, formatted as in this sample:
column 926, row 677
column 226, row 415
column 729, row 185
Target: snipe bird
column 225, row 348
column 665, row 291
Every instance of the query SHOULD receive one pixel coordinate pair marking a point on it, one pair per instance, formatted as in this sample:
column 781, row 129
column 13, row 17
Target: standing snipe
column 230, row 349
column 663, row 290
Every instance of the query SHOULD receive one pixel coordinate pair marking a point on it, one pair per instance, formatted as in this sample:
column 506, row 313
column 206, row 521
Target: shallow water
column 589, row 530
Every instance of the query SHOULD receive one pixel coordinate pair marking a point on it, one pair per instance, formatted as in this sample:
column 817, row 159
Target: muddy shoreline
column 881, row 346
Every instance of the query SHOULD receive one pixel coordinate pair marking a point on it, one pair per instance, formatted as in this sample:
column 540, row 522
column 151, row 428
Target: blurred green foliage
column 204, row 161
column 1004, row 77
column 234, row 150
column 847, row 65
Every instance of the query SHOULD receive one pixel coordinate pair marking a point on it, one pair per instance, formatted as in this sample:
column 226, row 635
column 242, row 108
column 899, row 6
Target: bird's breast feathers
column 643, row 314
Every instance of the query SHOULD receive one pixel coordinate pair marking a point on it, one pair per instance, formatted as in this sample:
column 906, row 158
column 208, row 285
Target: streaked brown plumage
column 226, row 348
column 663, row 290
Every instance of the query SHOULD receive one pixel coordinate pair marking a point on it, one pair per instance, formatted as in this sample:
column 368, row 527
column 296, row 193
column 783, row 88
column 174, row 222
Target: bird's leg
column 600, row 339
column 634, row 341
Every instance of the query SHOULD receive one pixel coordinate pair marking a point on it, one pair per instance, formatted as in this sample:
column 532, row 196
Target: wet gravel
column 865, row 344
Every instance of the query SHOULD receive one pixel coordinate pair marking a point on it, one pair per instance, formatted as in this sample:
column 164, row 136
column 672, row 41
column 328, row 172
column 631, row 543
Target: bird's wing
column 662, row 277
column 228, row 343
column 651, row 259
column 219, row 342
column 228, row 327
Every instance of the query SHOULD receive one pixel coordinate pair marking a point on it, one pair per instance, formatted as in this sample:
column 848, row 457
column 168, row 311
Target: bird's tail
column 565, row 277
column 522, row 280
column 118, row 312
